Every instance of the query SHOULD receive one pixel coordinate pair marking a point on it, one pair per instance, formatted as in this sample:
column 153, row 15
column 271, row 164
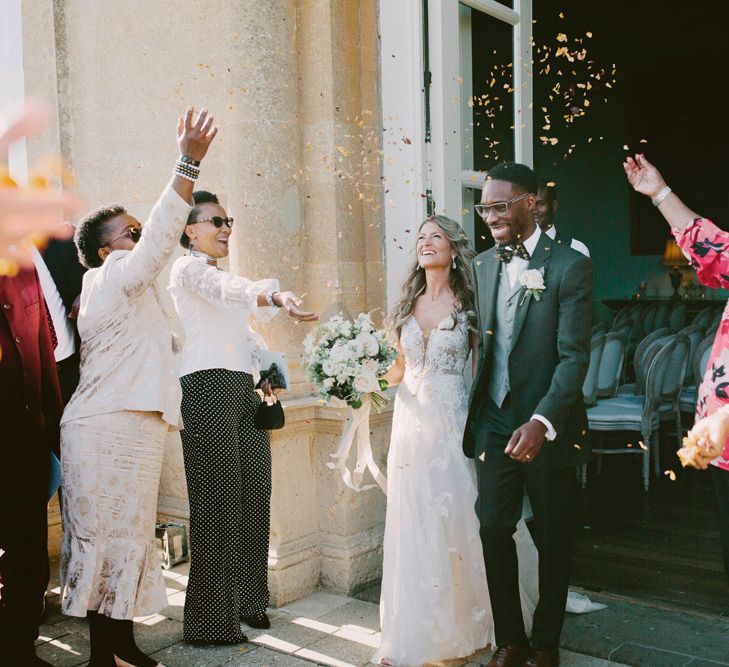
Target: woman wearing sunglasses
column 227, row 459
column 115, row 425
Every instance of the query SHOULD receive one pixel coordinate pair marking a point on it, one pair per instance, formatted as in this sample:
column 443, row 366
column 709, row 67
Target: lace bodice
column 436, row 361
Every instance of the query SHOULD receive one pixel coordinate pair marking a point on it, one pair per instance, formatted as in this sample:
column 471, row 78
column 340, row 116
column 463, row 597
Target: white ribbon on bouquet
column 357, row 427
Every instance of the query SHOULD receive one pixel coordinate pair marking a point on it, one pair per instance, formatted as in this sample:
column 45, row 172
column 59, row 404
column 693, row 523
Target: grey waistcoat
column 506, row 302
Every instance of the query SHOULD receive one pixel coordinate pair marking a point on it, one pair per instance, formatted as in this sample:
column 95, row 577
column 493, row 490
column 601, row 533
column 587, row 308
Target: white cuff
column 551, row 434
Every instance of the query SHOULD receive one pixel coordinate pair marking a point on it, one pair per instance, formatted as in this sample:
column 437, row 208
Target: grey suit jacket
column 549, row 355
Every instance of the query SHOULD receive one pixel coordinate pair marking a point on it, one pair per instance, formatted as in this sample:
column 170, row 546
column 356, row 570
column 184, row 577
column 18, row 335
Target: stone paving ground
column 330, row 629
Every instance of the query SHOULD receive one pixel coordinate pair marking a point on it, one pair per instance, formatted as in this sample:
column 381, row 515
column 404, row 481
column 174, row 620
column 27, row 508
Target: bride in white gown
column 434, row 603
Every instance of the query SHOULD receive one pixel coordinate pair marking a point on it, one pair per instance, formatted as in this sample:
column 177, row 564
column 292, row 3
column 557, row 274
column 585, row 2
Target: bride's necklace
column 203, row 255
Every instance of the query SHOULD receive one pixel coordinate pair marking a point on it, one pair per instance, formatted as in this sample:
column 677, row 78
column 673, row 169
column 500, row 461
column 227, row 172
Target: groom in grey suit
column 526, row 422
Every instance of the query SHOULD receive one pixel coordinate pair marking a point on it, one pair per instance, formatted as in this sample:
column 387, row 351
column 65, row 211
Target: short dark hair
column 198, row 197
column 516, row 174
column 90, row 233
column 550, row 187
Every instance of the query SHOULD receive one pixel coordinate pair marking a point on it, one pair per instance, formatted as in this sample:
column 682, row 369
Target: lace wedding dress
column 435, row 601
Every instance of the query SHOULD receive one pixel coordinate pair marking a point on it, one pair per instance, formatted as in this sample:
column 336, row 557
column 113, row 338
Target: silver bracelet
column 665, row 191
column 270, row 301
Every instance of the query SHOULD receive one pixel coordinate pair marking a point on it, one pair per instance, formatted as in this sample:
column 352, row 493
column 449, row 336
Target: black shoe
column 261, row 622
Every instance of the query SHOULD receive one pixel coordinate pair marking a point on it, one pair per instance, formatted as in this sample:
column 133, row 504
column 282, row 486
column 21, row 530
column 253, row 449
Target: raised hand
column 194, row 138
column 643, row 176
column 28, row 215
column 292, row 305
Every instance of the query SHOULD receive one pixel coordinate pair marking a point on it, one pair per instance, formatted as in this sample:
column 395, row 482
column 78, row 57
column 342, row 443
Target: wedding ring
column 527, row 457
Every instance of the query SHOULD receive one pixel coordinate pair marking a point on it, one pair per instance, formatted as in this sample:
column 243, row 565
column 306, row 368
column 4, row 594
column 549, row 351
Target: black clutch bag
column 274, row 376
column 269, row 417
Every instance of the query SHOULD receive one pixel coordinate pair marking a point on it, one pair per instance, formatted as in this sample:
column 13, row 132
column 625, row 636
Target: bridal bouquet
column 345, row 360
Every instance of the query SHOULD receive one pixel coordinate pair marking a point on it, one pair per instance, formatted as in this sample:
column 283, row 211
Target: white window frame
column 12, row 81
column 441, row 168
column 451, row 171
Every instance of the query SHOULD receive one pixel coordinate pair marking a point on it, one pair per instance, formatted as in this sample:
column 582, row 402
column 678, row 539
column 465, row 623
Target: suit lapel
column 540, row 259
column 490, row 267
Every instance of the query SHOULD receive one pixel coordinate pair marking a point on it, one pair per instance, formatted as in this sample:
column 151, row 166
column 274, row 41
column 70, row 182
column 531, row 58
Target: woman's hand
column 292, row 305
column 28, row 214
column 706, row 440
column 643, row 176
column 194, row 139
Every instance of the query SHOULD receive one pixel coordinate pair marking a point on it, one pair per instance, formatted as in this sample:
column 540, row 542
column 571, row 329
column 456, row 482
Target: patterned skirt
column 111, row 466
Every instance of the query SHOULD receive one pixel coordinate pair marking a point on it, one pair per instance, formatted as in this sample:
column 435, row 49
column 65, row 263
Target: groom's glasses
column 498, row 209
column 218, row 221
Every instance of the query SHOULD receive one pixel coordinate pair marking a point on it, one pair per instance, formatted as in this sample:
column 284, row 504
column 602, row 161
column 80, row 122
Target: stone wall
column 294, row 87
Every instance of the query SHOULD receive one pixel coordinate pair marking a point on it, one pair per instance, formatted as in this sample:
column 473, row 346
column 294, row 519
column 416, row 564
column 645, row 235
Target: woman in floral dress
column 707, row 248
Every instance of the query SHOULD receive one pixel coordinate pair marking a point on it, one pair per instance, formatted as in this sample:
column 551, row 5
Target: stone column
column 293, row 84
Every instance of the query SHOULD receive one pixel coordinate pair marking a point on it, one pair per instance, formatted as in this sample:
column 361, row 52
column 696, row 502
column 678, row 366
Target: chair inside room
column 641, row 360
column 589, row 386
column 641, row 414
column 612, row 363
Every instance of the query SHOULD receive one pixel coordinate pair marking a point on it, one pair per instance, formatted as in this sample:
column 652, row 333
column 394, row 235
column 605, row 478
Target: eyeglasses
column 498, row 209
column 218, row 221
column 134, row 233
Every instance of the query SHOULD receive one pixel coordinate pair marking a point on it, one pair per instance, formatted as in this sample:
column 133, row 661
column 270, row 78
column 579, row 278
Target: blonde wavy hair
column 460, row 279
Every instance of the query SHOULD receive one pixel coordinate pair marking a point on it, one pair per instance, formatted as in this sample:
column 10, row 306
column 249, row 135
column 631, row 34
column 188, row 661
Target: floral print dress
column 707, row 248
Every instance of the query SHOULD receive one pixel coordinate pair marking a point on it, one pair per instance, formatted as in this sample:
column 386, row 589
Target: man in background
column 545, row 209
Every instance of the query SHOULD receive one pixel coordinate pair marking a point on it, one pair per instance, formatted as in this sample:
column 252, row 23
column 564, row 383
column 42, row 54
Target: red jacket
column 30, row 397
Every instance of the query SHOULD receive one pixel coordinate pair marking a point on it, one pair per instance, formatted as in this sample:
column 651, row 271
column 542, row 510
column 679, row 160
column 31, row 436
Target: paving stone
column 264, row 657
column 48, row 632
column 284, row 635
column 66, row 651
column 337, row 651
column 187, row 655
column 362, row 614
column 698, row 662
column 157, row 633
column 634, row 654
column 315, row 605
column 627, row 621
column 176, row 608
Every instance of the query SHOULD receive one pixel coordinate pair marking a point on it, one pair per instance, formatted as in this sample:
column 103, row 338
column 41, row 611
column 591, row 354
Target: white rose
column 329, row 367
column 532, row 279
column 340, row 352
column 343, row 378
column 364, row 383
column 328, row 383
column 370, row 365
column 369, row 344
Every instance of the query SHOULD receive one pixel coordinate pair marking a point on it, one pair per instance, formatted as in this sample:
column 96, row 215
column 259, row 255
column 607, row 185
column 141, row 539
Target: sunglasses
column 133, row 233
column 218, row 221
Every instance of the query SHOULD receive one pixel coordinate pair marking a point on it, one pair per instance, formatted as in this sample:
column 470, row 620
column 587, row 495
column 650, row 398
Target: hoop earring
column 454, row 263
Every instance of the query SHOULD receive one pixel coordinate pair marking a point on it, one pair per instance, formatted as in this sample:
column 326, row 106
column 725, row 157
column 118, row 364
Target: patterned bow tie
column 506, row 252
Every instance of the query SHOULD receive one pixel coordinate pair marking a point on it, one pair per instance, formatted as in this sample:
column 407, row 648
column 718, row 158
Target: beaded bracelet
column 188, row 168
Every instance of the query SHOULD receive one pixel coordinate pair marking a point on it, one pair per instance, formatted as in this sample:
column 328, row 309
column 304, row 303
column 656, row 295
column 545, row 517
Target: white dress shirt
column 514, row 269
column 61, row 324
column 126, row 349
column 579, row 246
column 214, row 307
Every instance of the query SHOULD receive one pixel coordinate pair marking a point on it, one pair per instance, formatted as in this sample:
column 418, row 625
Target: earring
column 454, row 263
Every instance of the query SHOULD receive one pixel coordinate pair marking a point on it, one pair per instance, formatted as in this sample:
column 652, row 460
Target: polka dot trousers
column 228, row 470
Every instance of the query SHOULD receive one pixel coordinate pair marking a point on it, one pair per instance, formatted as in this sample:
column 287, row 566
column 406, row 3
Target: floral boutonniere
column 533, row 281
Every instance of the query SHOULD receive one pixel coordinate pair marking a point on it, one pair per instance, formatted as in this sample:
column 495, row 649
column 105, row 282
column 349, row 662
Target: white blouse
column 214, row 307
column 126, row 348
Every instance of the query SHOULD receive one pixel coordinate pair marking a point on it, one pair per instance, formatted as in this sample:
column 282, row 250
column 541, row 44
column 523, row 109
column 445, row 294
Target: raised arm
column 702, row 242
column 138, row 268
column 646, row 179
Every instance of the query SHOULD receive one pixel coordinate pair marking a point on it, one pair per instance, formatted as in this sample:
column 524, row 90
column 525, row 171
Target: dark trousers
column 68, row 376
column 228, row 470
column 24, row 561
column 720, row 477
column 501, row 482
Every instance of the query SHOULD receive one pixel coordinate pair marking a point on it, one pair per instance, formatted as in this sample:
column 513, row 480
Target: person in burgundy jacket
column 30, row 411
